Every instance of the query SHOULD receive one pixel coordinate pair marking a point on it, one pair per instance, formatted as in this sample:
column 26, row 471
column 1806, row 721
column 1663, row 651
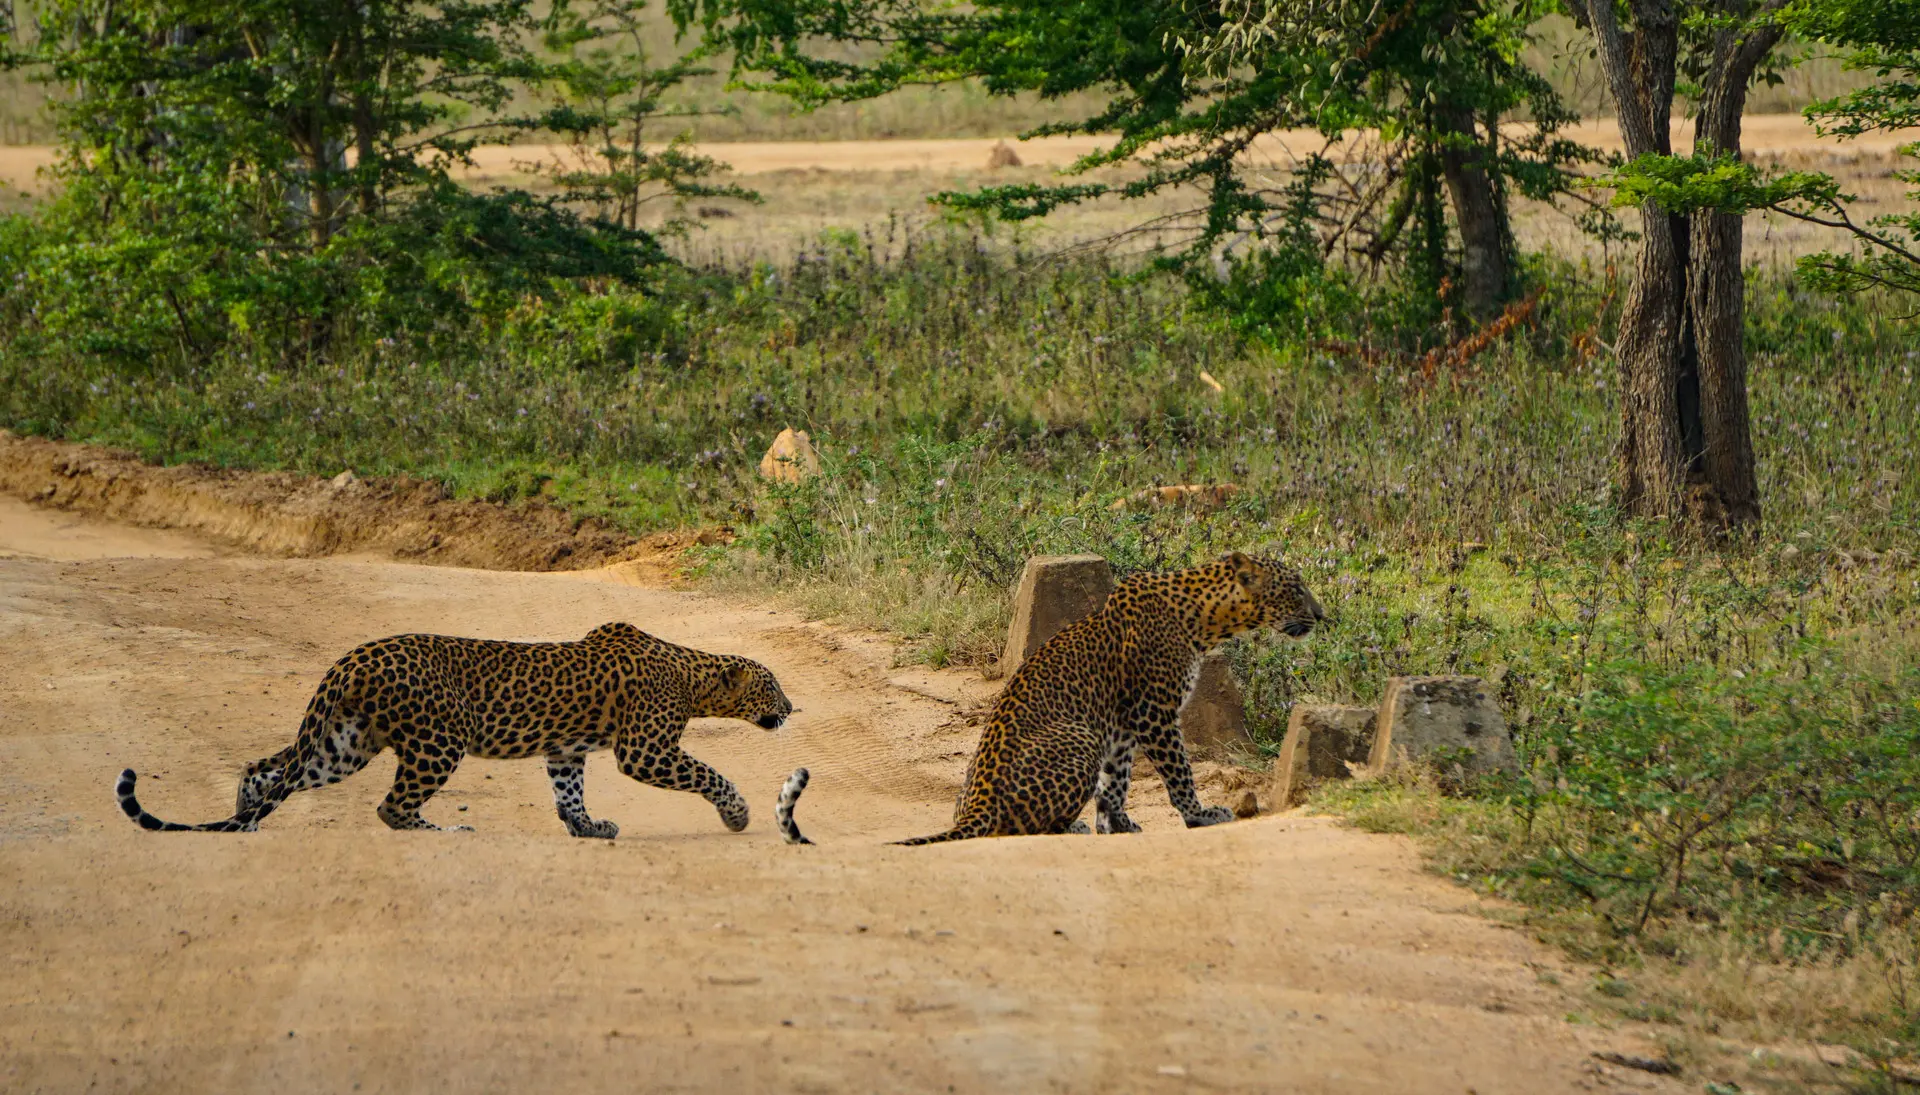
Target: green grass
column 1720, row 740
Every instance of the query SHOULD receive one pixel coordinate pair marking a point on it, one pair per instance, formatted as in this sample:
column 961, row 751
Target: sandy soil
column 328, row 953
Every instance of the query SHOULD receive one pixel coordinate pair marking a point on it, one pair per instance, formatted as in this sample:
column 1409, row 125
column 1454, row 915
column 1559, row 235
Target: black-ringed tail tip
column 783, row 810
column 123, row 789
column 246, row 821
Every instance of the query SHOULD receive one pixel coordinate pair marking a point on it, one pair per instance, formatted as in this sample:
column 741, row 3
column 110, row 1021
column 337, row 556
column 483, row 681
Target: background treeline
column 967, row 109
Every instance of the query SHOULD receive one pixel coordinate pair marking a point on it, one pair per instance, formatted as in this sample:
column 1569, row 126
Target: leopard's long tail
column 263, row 788
column 966, row 828
column 783, row 810
column 245, row 821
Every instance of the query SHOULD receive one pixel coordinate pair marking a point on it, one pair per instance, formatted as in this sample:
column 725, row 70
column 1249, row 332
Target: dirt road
column 327, row 953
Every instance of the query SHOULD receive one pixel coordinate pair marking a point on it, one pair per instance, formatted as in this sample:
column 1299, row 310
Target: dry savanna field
column 810, row 187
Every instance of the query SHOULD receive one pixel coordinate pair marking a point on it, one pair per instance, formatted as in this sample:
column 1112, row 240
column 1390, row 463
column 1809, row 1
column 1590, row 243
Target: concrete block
column 1054, row 591
column 1214, row 719
column 1322, row 740
column 1422, row 716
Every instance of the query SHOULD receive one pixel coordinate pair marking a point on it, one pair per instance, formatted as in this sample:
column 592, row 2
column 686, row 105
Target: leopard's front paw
column 599, row 830
column 1212, row 815
column 1107, row 824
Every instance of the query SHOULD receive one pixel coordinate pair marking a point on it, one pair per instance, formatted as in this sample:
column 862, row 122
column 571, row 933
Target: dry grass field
column 812, row 186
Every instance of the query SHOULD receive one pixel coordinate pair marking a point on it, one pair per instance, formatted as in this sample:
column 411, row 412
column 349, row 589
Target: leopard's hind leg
column 568, row 772
column 425, row 767
column 260, row 775
column 330, row 748
column 1110, row 794
column 1046, row 784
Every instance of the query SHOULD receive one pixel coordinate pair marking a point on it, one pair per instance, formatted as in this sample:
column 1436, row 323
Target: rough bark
column 1718, row 290
column 1640, row 71
column 1652, row 332
column 1476, row 208
column 1685, row 434
column 364, row 129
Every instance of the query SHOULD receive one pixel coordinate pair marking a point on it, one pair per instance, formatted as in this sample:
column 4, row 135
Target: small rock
column 344, row 480
column 791, row 458
column 1054, row 591
column 1424, row 716
column 1246, row 804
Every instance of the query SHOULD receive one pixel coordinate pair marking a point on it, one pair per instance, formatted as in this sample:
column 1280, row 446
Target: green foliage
column 1712, row 735
column 278, row 174
column 609, row 95
column 1188, row 99
column 1719, row 750
column 1882, row 38
column 1284, row 295
column 1721, row 183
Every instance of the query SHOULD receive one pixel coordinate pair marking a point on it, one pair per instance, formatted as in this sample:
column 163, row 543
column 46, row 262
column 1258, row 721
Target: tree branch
column 1852, row 226
column 1635, row 128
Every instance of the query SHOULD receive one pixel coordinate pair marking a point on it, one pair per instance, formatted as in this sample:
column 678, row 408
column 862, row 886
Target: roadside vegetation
column 1713, row 675
column 1723, row 737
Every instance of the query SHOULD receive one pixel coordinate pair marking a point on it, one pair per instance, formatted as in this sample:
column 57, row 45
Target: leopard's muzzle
column 1298, row 627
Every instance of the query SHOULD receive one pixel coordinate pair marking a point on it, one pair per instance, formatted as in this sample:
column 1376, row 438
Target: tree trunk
column 1718, row 291
column 1476, row 207
column 363, row 77
column 1655, row 337
column 1653, row 330
column 1685, row 435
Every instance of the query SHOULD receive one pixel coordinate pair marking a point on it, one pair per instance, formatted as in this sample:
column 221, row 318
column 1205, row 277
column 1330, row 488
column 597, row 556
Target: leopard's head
column 740, row 688
column 1249, row 592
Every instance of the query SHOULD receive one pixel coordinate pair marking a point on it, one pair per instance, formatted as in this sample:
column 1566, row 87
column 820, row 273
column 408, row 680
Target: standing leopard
column 1064, row 729
column 436, row 698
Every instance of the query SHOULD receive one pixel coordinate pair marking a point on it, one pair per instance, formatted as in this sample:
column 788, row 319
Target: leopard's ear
column 734, row 677
column 1243, row 567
